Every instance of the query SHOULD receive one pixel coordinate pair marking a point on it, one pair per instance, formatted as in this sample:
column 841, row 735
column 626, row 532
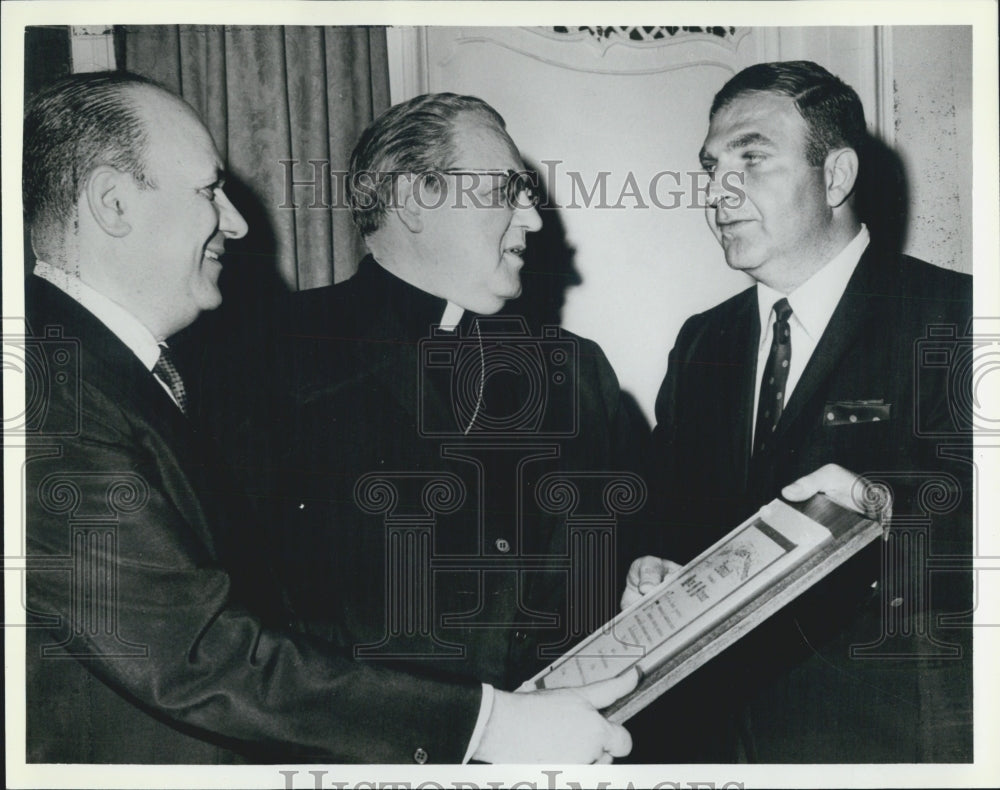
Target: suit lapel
column 857, row 309
column 738, row 344
column 109, row 366
column 107, row 361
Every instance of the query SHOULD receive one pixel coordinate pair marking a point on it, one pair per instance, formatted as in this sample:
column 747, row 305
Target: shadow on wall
column 882, row 194
column 251, row 288
column 549, row 267
column 549, row 272
column 252, row 278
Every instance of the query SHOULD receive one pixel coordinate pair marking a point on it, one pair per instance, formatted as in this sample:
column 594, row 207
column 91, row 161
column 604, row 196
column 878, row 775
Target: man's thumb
column 604, row 692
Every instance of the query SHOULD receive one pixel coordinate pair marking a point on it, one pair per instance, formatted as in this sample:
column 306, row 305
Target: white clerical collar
column 126, row 327
column 814, row 301
column 452, row 315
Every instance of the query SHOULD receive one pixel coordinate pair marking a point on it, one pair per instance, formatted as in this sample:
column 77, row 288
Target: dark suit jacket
column 154, row 623
column 881, row 361
column 403, row 539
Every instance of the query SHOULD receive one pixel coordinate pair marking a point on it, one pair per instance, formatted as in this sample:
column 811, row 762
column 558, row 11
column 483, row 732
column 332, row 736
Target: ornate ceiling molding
column 605, row 36
column 626, row 50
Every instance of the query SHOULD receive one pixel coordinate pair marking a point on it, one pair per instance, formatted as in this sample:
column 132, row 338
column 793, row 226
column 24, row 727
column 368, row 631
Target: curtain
column 284, row 105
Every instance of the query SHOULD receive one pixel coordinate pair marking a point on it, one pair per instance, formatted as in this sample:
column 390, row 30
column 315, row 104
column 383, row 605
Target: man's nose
column 715, row 192
column 725, row 193
column 231, row 222
column 527, row 216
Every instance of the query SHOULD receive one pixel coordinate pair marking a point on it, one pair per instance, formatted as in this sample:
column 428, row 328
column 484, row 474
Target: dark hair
column 416, row 136
column 831, row 108
column 72, row 126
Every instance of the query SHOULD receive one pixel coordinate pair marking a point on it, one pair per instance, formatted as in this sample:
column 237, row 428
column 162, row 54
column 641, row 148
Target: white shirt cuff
column 485, row 709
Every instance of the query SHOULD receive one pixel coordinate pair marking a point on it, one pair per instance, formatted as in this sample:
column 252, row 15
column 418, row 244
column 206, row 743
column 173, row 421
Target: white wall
column 932, row 108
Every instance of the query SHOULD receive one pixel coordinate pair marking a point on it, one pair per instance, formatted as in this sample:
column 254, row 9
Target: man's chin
column 496, row 304
column 494, row 307
column 738, row 259
column 209, row 297
column 512, row 293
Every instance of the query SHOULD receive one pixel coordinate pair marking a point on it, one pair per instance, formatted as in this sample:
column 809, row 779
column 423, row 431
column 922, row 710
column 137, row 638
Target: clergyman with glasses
column 416, row 449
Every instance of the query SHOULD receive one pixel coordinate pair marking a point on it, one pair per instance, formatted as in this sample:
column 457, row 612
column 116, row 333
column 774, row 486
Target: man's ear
column 408, row 202
column 841, row 173
column 106, row 195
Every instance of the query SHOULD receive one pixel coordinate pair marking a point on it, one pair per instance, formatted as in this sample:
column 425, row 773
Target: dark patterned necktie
column 772, row 383
column 166, row 371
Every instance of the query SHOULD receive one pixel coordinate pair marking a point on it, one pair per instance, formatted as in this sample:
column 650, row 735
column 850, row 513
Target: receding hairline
column 151, row 112
column 475, row 119
column 159, row 99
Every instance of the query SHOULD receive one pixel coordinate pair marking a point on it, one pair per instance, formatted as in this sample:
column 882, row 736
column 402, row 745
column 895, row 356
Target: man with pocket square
column 823, row 360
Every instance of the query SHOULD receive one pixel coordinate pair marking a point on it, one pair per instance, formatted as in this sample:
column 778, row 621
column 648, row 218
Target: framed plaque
column 722, row 594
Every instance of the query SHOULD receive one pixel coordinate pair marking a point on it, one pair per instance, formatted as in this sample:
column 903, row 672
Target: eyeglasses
column 508, row 186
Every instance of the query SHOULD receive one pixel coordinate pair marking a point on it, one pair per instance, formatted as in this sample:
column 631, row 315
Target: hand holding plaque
column 730, row 588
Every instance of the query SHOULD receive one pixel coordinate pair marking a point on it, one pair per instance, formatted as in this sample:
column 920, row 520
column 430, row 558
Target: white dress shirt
column 812, row 304
column 125, row 326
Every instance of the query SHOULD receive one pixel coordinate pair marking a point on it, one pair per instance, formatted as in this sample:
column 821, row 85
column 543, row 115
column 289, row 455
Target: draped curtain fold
column 285, row 106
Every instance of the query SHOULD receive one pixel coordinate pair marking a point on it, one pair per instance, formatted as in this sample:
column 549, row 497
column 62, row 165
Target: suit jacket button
column 420, row 757
column 520, row 636
column 502, row 545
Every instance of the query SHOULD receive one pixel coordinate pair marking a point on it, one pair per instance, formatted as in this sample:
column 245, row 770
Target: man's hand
column 557, row 726
column 845, row 488
column 643, row 576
